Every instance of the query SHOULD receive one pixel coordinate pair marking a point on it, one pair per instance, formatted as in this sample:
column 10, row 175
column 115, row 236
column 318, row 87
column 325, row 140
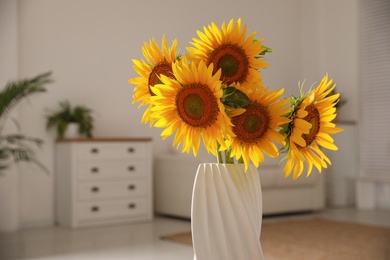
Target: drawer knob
column 132, row 205
column 131, row 187
column 95, row 189
column 131, row 168
column 131, row 150
column 94, row 169
column 94, row 150
column 94, row 209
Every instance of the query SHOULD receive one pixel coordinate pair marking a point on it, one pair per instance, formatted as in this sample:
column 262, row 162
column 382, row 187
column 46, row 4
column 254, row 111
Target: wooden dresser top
column 106, row 139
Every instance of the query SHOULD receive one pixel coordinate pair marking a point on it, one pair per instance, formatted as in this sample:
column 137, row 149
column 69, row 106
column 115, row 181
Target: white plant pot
column 226, row 213
column 72, row 131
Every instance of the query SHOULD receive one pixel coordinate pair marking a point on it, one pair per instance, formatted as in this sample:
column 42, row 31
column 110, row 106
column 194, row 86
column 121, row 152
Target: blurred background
column 88, row 45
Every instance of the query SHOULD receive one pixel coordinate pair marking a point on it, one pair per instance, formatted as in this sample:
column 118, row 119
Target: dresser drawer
column 103, row 181
column 112, row 189
column 111, row 209
column 114, row 150
column 108, row 170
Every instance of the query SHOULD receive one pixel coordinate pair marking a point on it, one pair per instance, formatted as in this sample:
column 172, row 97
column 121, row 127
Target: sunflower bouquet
column 214, row 93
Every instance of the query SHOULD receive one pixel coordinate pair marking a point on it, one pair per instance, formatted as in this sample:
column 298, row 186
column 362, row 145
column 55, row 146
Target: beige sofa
column 174, row 176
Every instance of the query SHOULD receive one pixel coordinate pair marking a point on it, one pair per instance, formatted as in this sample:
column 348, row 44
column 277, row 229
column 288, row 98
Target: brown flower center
column 253, row 124
column 313, row 118
column 163, row 68
column 197, row 106
column 233, row 62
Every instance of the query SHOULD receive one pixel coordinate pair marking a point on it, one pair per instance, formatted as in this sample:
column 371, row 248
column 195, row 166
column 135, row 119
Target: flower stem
column 219, row 154
column 228, row 158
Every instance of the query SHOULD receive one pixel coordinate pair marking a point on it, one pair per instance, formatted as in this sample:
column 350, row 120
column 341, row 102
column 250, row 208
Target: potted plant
column 16, row 147
column 67, row 116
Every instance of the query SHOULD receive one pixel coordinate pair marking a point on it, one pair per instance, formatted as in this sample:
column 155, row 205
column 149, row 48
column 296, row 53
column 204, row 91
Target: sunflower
column 311, row 128
column 256, row 129
column 191, row 107
column 159, row 62
column 229, row 50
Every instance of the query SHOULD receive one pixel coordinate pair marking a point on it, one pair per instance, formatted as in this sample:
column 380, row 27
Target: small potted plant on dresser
column 71, row 122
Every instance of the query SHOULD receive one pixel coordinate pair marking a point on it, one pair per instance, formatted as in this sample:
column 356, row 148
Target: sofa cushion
column 281, row 181
column 267, row 176
column 273, row 176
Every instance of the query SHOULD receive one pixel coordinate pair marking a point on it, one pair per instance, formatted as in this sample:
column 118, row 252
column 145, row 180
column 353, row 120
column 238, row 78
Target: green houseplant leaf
column 16, row 148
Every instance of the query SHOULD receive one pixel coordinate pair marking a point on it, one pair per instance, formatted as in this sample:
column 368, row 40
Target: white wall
column 339, row 50
column 330, row 44
column 89, row 44
column 9, row 180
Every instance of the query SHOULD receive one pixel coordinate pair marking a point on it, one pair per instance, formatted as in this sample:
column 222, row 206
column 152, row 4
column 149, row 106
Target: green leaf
column 228, row 91
column 15, row 91
column 234, row 98
column 267, row 50
column 15, row 148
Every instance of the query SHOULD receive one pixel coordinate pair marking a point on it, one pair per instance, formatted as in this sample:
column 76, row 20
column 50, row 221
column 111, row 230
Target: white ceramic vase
column 226, row 213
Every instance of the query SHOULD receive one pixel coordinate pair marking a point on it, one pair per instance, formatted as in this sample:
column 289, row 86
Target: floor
column 136, row 241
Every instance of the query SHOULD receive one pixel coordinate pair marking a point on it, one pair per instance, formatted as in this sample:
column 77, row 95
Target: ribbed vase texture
column 226, row 213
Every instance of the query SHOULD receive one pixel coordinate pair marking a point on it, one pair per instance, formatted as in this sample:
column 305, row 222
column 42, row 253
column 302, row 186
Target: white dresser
column 103, row 181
